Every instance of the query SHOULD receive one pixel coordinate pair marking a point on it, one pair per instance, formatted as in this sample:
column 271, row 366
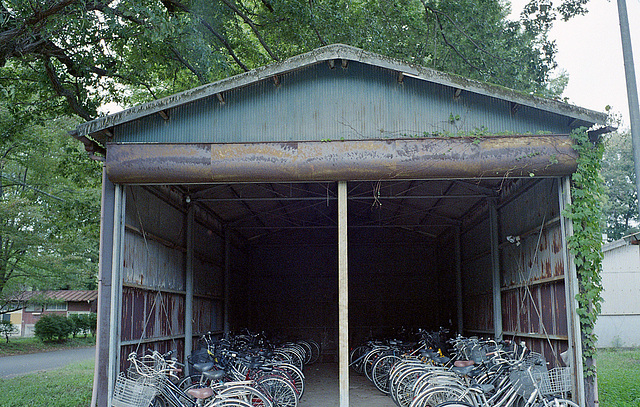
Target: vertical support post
column 571, row 290
column 343, row 296
column 632, row 89
column 459, row 305
column 227, row 277
column 188, row 301
column 495, row 268
column 99, row 396
column 116, row 287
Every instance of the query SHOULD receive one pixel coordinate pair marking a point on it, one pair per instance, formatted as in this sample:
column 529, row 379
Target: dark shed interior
column 278, row 245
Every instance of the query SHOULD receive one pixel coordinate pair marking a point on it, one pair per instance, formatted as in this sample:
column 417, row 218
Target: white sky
column 590, row 51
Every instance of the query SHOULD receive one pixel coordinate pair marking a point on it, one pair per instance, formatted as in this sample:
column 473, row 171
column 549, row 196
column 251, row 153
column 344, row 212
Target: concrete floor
column 321, row 389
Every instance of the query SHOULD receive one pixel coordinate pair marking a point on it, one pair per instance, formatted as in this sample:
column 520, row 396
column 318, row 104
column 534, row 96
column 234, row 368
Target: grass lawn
column 66, row 387
column 17, row 346
column 619, row 377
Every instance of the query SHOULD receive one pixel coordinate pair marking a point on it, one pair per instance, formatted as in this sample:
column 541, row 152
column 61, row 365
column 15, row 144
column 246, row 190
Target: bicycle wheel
column 555, row 403
column 356, row 358
column 294, row 374
column 315, row 351
column 455, row 404
column 250, row 394
column 158, row 401
column 227, row 403
column 438, row 395
column 403, row 387
column 281, row 391
column 308, row 352
column 370, row 359
column 381, row 369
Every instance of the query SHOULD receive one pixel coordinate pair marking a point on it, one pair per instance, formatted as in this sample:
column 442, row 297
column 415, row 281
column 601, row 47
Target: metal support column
column 632, row 88
column 571, row 289
column 116, row 287
column 227, row 277
column 495, row 268
column 188, row 301
column 459, row 305
column 343, row 296
column 99, row 396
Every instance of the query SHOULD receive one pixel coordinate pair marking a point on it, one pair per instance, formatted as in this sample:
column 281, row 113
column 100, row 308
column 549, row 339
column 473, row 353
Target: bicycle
column 154, row 374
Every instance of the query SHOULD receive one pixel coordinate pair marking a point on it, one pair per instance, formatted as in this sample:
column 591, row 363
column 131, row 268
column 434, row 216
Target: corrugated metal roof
column 61, row 295
column 100, row 129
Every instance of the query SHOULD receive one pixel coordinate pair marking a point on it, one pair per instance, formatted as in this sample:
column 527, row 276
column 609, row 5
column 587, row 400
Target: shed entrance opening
column 265, row 257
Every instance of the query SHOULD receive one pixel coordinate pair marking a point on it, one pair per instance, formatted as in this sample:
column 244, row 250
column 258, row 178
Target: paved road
column 12, row 366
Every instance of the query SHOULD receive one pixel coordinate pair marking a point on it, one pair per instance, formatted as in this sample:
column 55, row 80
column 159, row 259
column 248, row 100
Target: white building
column 619, row 322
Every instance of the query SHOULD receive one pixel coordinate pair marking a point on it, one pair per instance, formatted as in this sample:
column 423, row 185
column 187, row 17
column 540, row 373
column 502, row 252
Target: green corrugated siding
column 319, row 103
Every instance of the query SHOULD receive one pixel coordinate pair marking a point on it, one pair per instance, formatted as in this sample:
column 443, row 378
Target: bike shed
column 336, row 195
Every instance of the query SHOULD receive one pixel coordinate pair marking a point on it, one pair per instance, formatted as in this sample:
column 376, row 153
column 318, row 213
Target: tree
column 621, row 207
column 77, row 55
column 7, row 329
column 49, row 209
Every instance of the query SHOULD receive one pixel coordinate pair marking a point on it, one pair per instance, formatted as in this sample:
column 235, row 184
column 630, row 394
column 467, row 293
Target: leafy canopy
column 75, row 55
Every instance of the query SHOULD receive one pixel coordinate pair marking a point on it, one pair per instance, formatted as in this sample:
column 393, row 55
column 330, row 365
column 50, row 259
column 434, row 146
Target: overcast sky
column 590, row 51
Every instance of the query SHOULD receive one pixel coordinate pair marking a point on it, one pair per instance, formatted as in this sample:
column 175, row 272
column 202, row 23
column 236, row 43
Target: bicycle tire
column 381, row 370
column 281, row 391
column 556, row 402
column 294, row 374
column 227, row 403
column 455, row 404
column 370, row 360
column 438, row 395
column 250, row 394
column 316, row 351
column 403, row 386
column 308, row 352
column 356, row 358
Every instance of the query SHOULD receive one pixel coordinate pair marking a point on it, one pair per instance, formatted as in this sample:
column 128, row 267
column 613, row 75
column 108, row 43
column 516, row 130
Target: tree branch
column 251, row 24
column 190, row 67
column 62, row 91
column 208, row 26
column 446, row 40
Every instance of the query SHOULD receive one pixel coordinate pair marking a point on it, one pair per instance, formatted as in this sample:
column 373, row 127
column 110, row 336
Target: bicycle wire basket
column 555, row 381
column 523, row 380
column 132, row 393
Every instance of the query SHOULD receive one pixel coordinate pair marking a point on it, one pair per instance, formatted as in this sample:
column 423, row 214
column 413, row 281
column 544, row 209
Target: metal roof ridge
column 332, row 52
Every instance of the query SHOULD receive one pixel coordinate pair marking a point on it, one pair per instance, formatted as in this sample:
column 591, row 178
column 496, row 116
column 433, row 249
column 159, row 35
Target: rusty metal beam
column 426, row 158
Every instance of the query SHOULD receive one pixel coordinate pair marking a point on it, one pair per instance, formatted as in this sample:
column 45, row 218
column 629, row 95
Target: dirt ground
column 321, row 389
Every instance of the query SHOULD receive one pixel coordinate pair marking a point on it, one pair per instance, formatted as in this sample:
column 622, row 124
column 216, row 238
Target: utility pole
column 632, row 90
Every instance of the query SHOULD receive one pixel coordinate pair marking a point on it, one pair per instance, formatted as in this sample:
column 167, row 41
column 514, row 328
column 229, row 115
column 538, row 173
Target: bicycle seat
column 201, row 393
column 463, row 371
column 214, row 374
column 463, row 363
column 485, row 387
column 203, row 367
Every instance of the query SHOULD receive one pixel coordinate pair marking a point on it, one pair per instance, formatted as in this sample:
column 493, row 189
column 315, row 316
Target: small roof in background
column 61, row 295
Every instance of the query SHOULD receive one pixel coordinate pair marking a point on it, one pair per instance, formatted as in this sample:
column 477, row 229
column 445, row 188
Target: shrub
column 53, row 327
column 84, row 324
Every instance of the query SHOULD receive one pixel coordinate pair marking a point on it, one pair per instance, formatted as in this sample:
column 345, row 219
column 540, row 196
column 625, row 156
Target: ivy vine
column 587, row 192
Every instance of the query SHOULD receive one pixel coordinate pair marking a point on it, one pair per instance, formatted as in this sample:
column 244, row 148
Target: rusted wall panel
column 146, row 212
column 532, row 269
column 208, row 278
column 152, row 264
column 151, row 314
